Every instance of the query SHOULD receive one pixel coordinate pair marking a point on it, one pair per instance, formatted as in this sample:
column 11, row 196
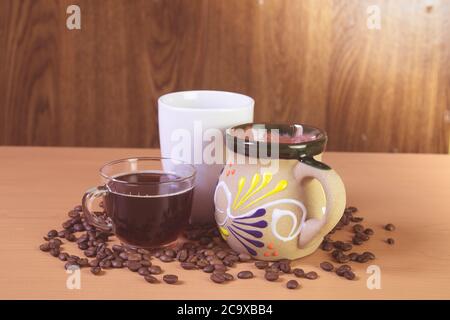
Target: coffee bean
column 390, row 241
column 356, row 219
column 45, row 247
column 228, row 276
column 134, row 265
column 105, row 264
column 83, row 262
column 312, row 275
column 63, row 256
column 245, row 275
column 52, row 233
column 327, row 246
column 202, row 263
column 83, row 238
column 83, row 246
column 362, row 258
column 358, row 228
column 349, row 275
column 327, row 266
column 261, row 264
column 299, row 273
column 96, row 270
column 357, row 241
column 271, row 276
column 218, row 277
column 285, row 267
column 134, row 256
column 143, row 271
column 117, row 248
column 244, row 257
column 182, row 255
column 78, row 227
column 389, row 227
column 78, row 208
column 370, row 255
column 188, row 265
column 123, row 255
column 342, row 269
column 165, row 258
column 71, row 237
column 338, row 244
column 209, row 268
column 150, row 279
column 101, row 255
column 292, row 284
column 353, row 256
column 54, row 252
column 155, row 270
column 339, row 256
column 146, row 263
column 347, row 247
column 220, row 267
column 275, row 266
column 94, row 263
column 351, row 209
column 90, row 252
column 67, row 224
column 170, row 253
column 116, row 263
column 221, row 254
column 362, row 236
column 143, row 251
column 369, row 232
column 55, row 243
column 62, row 233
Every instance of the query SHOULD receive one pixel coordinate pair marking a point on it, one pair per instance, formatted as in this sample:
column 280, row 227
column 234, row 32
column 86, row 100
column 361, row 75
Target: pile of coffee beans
column 203, row 250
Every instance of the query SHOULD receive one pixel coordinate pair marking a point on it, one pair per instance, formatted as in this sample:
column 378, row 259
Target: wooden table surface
column 39, row 185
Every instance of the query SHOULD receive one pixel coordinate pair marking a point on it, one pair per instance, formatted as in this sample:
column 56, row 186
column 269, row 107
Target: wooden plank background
column 310, row 61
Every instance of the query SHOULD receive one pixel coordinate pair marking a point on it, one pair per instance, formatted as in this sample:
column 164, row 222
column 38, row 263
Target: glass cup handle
column 88, row 200
column 315, row 229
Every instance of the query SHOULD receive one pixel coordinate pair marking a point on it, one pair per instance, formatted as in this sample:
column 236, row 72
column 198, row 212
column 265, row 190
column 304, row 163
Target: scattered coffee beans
column 390, row 241
column 299, row 273
column 218, row 277
column 151, row 279
column 312, row 275
column 204, row 251
column 292, row 284
column 271, row 276
column 96, row 270
column 245, row 275
column 170, row 278
column 327, row 266
column 261, row 264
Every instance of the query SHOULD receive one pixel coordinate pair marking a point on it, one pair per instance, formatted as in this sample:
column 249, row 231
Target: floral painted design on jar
column 282, row 212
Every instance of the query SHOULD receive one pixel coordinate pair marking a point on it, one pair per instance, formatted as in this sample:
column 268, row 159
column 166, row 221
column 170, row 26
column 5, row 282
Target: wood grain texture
column 304, row 61
column 397, row 188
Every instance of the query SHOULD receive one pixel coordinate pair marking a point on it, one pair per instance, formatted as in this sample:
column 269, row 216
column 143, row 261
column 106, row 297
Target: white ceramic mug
column 195, row 119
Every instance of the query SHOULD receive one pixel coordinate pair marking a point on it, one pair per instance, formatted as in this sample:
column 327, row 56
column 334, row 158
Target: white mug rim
column 248, row 102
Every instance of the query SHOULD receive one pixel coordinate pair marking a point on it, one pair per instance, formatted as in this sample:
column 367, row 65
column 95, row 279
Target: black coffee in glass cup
column 147, row 200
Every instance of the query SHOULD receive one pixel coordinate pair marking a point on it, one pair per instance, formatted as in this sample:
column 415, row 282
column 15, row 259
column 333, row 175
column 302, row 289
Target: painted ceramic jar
column 274, row 198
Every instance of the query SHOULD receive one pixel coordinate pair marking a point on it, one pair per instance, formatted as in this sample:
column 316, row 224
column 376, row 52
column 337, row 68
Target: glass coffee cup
column 148, row 200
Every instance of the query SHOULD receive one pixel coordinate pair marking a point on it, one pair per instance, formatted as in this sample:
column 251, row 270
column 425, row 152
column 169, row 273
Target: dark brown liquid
column 145, row 213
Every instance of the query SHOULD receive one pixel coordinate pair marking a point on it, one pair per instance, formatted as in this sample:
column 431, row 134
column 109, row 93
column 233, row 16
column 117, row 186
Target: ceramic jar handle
column 315, row 229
